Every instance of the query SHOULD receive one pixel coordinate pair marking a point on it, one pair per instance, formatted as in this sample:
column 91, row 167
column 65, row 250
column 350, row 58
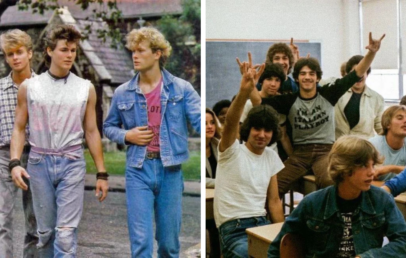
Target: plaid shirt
column 8, row 103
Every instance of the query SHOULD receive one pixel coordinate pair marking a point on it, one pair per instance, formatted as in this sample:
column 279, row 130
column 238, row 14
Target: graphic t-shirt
column 312, row 120
column 347, row 208
column 154, row 116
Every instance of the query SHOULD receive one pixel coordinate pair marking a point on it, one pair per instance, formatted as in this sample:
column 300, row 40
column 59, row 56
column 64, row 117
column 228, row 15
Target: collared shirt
column 370, row 113
column 8, row 103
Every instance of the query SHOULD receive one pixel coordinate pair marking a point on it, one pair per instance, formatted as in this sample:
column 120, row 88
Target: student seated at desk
column 246, row 172
column 350, row 218
column 392, row 143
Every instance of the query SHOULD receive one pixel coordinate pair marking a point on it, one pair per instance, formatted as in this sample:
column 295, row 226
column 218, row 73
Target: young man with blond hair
column 392, row 142
column 149, row 114
column 17, row 48
column 60, row 109
column 352, row 217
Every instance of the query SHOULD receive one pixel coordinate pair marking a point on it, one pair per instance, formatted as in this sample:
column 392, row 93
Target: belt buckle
column 152, row 155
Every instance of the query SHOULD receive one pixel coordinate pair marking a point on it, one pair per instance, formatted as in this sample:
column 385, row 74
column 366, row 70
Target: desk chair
column 292, row 246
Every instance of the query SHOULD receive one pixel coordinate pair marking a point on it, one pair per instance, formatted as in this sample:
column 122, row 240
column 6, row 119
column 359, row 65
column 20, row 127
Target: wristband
column 102, row 176
column 13, row 163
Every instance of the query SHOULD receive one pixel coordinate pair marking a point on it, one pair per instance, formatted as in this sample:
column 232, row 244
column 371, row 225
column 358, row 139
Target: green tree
column 102, row 10
column 184, row 35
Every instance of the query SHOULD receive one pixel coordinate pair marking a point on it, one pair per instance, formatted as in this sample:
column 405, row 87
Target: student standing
column 60, row 108
column 17, row 48
column 149, row 114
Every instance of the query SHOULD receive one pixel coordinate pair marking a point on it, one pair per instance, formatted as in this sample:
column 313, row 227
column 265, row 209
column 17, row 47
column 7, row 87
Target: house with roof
column 104, row 66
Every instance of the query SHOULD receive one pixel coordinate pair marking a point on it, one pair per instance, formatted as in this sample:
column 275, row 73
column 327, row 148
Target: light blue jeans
column 8, row 193
column 151, row 190
column 57, row 184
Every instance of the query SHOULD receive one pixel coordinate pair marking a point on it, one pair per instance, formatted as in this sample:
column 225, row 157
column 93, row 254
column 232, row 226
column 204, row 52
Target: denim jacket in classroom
column 318, row 222
column 179, row 103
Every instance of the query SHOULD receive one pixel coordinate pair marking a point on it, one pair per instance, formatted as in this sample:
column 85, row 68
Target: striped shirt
column 8, row 103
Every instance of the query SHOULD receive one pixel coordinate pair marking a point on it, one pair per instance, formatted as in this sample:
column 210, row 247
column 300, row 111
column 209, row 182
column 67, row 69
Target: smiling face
column 283, row 59
column 210, row 126
column 271, row 86
column 62, row 57
column 258, row 139
column 18, row 58
column 307, row 79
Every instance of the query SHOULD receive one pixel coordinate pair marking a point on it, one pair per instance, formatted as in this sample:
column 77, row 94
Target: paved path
column 103, row 229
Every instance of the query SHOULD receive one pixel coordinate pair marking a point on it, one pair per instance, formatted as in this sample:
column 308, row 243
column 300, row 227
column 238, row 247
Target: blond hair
column 156, row 41
column 15, row 38
column 388, row 115
column 350, row 152
column 217, row 132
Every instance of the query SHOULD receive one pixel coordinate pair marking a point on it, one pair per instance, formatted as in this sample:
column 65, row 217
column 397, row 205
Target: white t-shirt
column 242, row 181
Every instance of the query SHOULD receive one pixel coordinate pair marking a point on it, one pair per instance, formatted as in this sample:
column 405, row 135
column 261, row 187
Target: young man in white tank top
column 60, row 108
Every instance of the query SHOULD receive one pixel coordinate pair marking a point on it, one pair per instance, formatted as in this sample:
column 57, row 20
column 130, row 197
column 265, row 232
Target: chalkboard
column 222, row 72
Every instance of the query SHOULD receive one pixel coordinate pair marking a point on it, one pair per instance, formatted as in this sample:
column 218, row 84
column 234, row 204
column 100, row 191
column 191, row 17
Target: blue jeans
column 8, row 192
column 154, row 189
column 234, row 239
column 57, row 185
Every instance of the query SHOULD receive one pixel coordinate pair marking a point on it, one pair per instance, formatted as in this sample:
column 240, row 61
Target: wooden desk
column 309, row 184
column 209, row 203
column 401, row 203
column 259, row 239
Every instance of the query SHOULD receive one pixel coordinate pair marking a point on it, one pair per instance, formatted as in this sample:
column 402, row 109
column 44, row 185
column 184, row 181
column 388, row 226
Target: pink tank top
column 154, row 116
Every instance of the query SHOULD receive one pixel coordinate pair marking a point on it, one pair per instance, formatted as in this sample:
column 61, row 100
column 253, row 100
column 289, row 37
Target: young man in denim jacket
column 351, row 218
column 149, row 114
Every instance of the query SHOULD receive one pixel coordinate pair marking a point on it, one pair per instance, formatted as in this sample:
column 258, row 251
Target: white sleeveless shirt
column 56, row 109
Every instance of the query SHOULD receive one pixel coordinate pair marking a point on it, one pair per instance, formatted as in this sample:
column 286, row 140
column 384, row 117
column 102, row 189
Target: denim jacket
column 318, row 222
column 179, row 102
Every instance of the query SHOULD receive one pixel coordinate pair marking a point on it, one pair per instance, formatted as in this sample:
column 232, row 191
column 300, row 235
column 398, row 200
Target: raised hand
column 295, row 50
column 249, row 65
column 250, row 75
column 374, row 44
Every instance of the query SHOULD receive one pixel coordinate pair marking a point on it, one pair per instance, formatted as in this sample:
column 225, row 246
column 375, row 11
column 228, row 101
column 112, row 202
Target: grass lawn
column 115, row 164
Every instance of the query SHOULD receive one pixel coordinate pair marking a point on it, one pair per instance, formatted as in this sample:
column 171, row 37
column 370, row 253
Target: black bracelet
column 102, row 176
column 14, row 163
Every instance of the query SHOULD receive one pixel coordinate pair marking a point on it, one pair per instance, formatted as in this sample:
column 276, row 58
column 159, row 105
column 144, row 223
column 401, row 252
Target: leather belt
column 153, row 155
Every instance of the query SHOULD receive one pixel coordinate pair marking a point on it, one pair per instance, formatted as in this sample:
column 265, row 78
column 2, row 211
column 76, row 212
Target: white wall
column 334, row 23
column 380, row 16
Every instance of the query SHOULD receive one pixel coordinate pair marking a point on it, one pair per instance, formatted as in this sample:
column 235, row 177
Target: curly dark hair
column 60, row 32
column 279, row 48
column 272, row 70
column 354, row 61
column 259, row 117
column 310, row 62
